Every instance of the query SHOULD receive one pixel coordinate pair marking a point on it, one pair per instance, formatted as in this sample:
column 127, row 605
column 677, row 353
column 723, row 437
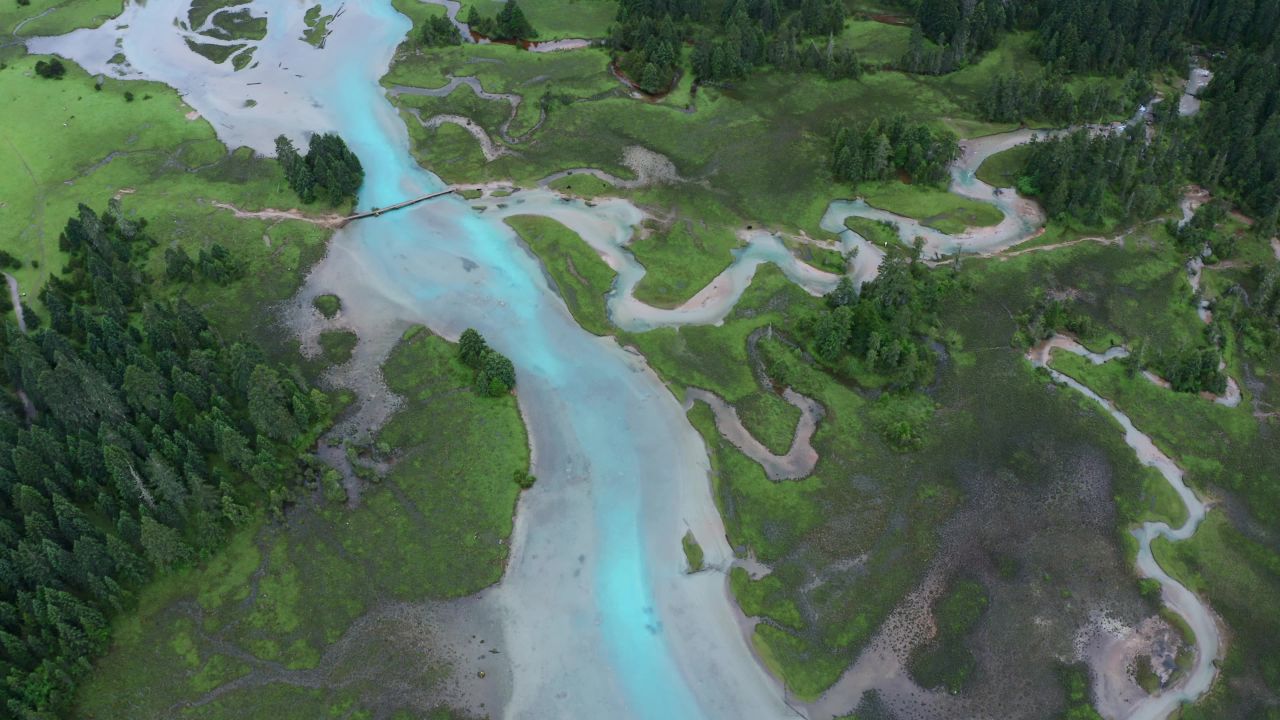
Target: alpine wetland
column 653, row 359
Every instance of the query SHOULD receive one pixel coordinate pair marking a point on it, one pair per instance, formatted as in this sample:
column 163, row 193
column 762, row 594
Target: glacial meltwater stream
column 597, row 617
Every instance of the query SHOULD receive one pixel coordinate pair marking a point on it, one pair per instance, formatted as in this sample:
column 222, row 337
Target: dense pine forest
column 885, row 327
column 731, row 38
column 880, row 149
column 329, row 168
column 133, row 440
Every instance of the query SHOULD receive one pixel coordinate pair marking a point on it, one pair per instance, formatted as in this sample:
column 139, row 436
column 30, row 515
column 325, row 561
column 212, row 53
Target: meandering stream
column 596, row 615
column 1175, row 595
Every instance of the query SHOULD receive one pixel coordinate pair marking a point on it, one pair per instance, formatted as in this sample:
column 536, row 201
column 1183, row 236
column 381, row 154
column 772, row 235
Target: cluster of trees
column 1015, row 97
column 132, row 440
column 495, row 375
column 729, row 39
column 509, row 24
column 957, row 31
column 733, row 37
column 1248, row 24
column 1047, row 316
column 1093, row 36
column 1114, row 36
column 650, row 47
column 328, row 168
column 880, row 149
column 1094, row 177
column 1193, row 369
column 438, row 31
column 215, row 264
column 52, row 70
column 1240, row 133
column 1111, row 36
column 1256, row 317
column 1201, row 233
column 885, row 325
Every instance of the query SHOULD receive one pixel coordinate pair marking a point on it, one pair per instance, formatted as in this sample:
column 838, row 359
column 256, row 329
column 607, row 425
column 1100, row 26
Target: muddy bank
column 512, row 99
column 800, row 459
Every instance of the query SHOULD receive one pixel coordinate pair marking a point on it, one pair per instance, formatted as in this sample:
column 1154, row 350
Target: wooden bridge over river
column 398, row 206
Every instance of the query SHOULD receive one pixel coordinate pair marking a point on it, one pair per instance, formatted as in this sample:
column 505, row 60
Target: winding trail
column 15, row 297
column 799, row 461
column 1175, row 595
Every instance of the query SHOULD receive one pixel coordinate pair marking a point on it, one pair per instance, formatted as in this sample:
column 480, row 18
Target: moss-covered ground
column 320, row 613
column 946, row 662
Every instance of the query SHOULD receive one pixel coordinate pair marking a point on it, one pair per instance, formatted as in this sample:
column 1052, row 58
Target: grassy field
column 876, row 43
column 555, row 19
column 933, row 207
column 415, row 10
column 580, row 276
column 305, row 617
column 681, row 259
column 770, row 419
column 55, row 17
column 92, row 145
column 1002, row 169
column 878, row 233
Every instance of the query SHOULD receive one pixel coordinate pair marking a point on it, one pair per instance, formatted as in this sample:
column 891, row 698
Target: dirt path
column 329, row 221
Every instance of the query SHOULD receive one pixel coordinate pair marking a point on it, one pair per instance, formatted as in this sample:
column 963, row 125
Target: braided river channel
column 597, row 616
